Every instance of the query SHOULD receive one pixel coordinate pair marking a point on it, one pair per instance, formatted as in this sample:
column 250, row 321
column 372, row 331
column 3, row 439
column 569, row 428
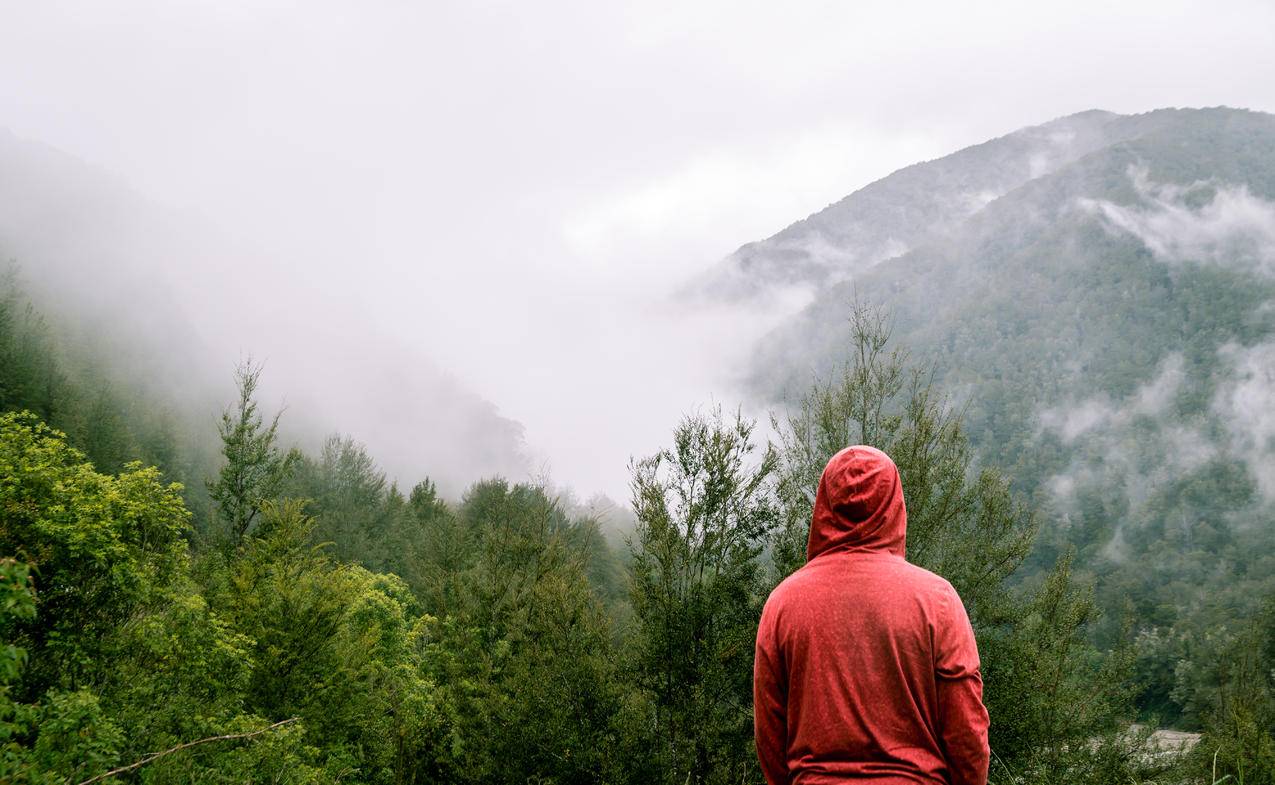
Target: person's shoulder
column 794, row 590
column 929, row 582
column 788, row 586
column 907, row 578
column 925, row 576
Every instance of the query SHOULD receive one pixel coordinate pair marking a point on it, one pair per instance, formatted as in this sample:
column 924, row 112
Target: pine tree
column 255, row 466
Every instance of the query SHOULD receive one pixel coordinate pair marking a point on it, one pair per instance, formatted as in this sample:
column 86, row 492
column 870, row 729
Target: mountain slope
column 1162, row 241
column 913, row 206
column 1109, row 328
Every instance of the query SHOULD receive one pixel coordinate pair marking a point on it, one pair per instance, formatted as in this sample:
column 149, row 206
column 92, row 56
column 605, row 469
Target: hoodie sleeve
column 770, row 705
column 962, row 716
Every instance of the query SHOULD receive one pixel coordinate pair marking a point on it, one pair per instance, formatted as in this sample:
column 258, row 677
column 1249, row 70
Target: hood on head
column 859, row 506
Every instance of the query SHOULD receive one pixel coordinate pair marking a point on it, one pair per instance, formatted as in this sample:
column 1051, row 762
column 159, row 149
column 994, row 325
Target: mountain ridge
column 829, row 245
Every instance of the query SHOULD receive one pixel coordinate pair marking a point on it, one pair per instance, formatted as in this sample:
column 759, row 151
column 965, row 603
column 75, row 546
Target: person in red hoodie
column 866, row 668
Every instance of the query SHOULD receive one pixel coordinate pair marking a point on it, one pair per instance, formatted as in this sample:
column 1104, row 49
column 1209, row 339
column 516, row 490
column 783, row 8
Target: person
column 866, row 668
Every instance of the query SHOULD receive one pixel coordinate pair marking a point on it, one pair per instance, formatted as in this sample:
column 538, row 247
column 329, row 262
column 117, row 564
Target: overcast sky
column 512, row 189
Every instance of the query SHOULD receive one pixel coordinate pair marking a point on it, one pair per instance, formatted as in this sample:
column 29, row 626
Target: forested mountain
column 1105, row 319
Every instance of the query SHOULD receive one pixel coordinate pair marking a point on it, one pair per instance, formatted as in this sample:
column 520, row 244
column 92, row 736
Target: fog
column 1099, row 412
column 1136, row 447
column 1247, row 407
column 1213, row 223
column 401, row 206
column 1228, row 225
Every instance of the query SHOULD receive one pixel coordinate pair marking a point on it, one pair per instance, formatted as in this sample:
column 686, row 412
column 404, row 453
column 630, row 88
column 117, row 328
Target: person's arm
column 770, row 705
column 962, row 715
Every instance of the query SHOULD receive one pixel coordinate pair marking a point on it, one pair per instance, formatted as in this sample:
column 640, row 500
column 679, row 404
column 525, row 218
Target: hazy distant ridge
column 176, row 304
column 915, row 205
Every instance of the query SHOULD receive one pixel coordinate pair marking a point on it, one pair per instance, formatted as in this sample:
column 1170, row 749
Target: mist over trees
column 1085, row 453
column 367, row 634
column 127, row 276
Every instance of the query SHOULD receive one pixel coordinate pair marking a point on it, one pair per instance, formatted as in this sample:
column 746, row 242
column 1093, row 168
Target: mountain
column 913, row 206
column 1105, row 318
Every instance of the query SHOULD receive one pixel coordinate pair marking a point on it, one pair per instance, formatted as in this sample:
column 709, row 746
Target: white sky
column 511, row 189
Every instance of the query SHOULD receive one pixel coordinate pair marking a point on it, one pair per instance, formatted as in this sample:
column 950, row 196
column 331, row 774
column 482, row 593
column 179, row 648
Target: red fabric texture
column 866, row 667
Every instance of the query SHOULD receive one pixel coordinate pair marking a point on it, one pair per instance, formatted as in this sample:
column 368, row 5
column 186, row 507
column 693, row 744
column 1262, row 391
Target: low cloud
column 1204, row 222
column 1110, row 458
column 1238, row 423
column 1246, row 406
column 1076, row 419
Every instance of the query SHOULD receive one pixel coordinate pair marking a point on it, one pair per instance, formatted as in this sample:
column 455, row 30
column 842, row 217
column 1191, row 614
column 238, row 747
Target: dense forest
column 184, row 604
column 1104, row 325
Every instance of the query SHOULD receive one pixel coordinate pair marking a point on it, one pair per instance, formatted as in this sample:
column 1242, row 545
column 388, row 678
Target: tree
column 120, row 637
column 255, row 467
column 704, row 510
column 30, row 377
column 1239, row 703
column 1044, row 685
column 100, row 546
column 347, row 495
column 520, row 646
column 337, row 646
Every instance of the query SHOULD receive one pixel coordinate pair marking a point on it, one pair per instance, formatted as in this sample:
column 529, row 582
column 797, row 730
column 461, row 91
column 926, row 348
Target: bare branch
column 156, row 755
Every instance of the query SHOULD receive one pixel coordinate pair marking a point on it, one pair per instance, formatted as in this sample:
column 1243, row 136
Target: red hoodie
column 866, row 667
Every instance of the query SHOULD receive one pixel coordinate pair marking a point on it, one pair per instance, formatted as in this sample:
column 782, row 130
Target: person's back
column 866, row 667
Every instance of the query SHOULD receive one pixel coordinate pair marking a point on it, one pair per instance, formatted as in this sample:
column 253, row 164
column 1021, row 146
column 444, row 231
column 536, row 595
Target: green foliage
column 1238, row 704
column 704, row 510
column 30, row 376
column 106, row 413
column 123, row 654
column 17, row 604
column 332, row 644
column 73, row 736
column 255, row 467
column 349, row 497
column 521, row 648
column 100, row 545
column 1130, row 755
column 1050, row 690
